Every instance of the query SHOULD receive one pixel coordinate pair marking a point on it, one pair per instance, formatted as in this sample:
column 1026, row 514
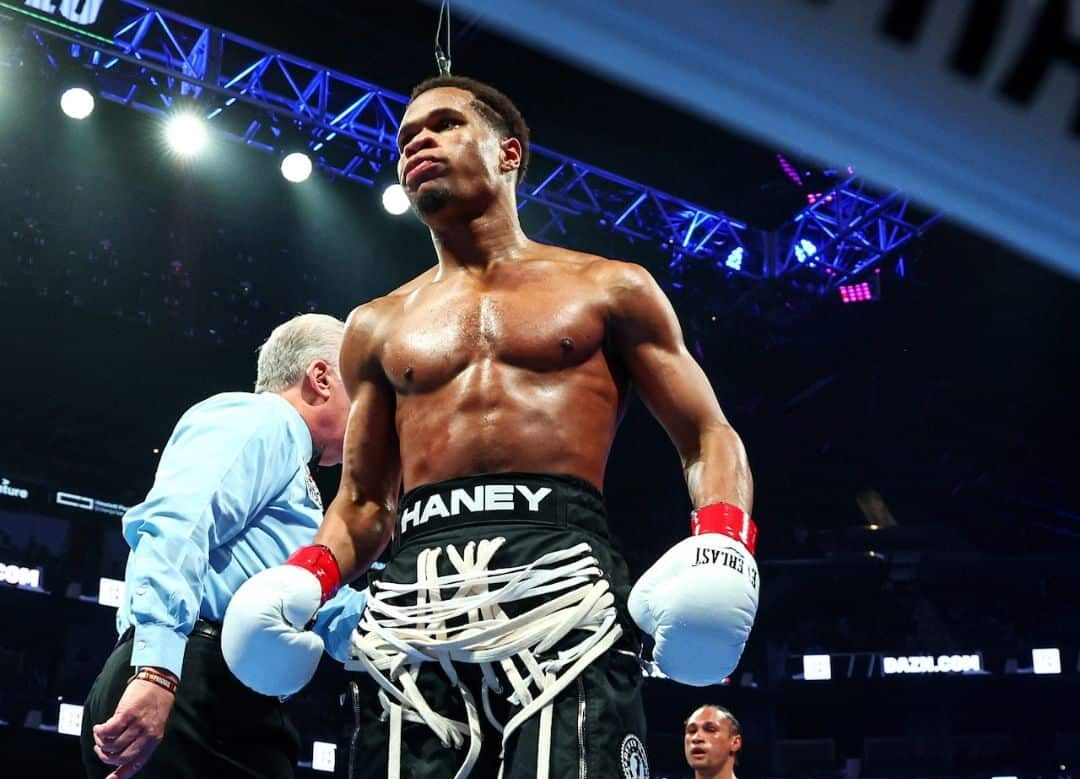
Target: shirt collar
column 298, row 427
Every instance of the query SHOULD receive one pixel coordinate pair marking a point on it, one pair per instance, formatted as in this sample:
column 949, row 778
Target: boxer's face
column 451, row 157
column 708, row 741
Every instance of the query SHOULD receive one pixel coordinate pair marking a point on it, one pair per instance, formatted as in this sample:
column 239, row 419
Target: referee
column 233, row 494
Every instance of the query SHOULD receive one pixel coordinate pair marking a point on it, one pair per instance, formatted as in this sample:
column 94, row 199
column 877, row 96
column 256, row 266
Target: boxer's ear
column 509, row 155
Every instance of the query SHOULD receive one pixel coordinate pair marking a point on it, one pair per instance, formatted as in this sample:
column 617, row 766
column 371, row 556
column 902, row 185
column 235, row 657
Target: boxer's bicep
column 359, row 521
column 667, row 378
column 676, row 390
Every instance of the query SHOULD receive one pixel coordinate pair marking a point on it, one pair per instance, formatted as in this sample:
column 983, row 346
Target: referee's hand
column 132, row 733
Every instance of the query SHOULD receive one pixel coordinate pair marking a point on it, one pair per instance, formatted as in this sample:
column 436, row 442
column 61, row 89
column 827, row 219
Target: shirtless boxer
column 489, row 389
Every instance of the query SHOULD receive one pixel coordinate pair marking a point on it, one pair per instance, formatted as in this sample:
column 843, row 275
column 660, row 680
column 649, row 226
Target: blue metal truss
column 152, row 59
column 846, row 233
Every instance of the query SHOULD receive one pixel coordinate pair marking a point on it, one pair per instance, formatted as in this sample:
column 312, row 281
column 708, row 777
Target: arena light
column 296, row 167
column 1046, row 661
column 395, row 200
column 804, row 250
column 77, row 103
column 817, row 668
column 322, row 756
column 735, row 258
column 856, row 293
column 70, row 720
column 186, row 134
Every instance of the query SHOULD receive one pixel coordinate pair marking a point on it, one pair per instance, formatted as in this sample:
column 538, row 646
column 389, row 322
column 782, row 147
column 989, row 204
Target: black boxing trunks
column 498, row 640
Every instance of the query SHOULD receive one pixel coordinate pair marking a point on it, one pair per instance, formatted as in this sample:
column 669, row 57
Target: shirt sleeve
column 227, row 458
column 337, row 619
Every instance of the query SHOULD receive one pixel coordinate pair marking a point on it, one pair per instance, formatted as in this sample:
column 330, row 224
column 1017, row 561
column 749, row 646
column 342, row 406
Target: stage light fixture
column 395, row 200
column 804, row 250
column 856, row 293
column 186, row 134
column 296, row 167
column 735, row 258
column 77, row 103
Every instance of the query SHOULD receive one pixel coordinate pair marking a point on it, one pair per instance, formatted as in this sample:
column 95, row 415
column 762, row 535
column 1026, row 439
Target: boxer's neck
column 725, row 771
column 494, row 236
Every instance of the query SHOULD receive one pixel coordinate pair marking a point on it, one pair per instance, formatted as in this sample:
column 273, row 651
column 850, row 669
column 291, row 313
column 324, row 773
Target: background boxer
column 511, row 357
column 712, row 740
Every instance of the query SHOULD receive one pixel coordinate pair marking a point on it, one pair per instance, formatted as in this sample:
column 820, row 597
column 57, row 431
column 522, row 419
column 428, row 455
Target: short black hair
column 497, row 109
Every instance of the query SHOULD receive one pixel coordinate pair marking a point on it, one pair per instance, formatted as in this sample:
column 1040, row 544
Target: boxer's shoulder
column 626, row 286
column 369, row 318
column 603, row 272
column 413, row 285
column 619, row 275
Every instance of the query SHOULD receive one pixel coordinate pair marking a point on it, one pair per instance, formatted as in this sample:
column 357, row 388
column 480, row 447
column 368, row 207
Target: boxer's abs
column 511, row 419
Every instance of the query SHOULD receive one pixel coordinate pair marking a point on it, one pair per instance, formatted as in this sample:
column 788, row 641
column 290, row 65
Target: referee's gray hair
column 293, row 346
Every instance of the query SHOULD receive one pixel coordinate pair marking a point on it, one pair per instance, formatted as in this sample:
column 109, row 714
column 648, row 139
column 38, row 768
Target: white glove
column 263, row 637
column 698, row 601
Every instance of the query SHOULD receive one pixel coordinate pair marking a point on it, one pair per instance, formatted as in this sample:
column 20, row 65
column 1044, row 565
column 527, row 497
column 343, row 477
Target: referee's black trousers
column 218, row 729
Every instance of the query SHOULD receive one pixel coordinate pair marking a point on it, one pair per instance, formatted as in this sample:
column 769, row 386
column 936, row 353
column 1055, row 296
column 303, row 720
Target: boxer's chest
column 531, row 325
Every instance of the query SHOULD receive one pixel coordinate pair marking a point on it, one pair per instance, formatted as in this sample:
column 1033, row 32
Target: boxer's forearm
column 719, row 472
column 356, row 534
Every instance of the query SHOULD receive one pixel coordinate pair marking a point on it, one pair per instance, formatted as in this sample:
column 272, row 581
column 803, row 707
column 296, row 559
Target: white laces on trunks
column 393, row 640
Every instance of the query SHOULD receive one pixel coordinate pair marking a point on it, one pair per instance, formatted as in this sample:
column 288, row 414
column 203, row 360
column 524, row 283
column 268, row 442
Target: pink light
column 789, row 170
column 856, row 293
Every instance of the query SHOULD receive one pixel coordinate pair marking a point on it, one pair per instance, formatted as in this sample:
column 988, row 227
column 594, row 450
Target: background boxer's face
column 452, row 159
column 708, row 741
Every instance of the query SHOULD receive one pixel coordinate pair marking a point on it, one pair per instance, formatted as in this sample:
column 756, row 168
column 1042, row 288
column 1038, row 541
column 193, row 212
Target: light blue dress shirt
column 232, row 496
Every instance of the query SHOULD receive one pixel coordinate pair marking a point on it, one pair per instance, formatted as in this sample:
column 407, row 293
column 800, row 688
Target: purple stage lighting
column 856, row 293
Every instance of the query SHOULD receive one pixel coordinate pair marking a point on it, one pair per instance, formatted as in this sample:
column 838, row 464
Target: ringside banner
column 972, row 107
column 94, row 18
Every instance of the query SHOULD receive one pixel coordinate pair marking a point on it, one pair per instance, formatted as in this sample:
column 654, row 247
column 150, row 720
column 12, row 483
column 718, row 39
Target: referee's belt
column 203, row 627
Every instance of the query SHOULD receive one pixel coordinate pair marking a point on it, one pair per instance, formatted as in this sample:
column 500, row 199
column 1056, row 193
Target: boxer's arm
column 699, row 600
column 360, row 521
column 673, row 386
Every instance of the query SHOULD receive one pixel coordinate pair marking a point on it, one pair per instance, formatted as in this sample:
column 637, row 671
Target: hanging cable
column 442, row 57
